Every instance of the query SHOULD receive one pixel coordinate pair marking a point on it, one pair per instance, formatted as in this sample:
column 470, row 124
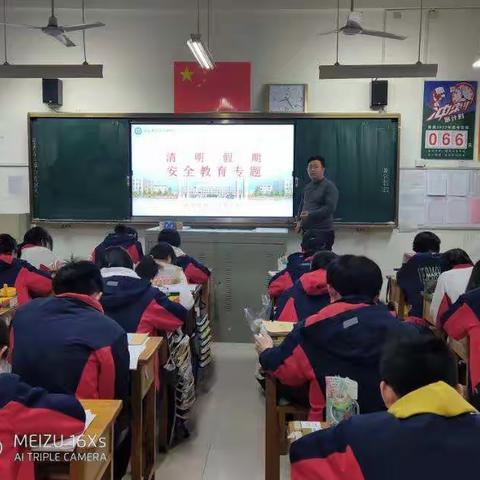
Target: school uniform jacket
column 430, row 433
column 66, row 344
column 345, row 339
column 196, row 272
column 40, row 257
column 128, row 242
column 137, row 306
column 28, row 281
column 285, row 279
column 418, row 275
column 450, row 286
column 307, row 297
column 32, row 411
column 463, row 320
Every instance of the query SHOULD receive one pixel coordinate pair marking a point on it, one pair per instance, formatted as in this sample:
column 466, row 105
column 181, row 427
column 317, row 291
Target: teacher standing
column 319, row 202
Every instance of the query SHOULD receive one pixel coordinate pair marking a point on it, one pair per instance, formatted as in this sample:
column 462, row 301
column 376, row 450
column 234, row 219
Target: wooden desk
column 144, row 451
column 460, row 347
column 397, row 297
column 102, row 430
column 276, row 427
column 427, row 303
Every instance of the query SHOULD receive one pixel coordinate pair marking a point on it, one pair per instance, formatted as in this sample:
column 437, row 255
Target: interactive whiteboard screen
column 212, row 170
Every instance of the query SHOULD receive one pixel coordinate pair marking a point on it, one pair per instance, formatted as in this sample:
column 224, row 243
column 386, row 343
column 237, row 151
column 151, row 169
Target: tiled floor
column 228, row 438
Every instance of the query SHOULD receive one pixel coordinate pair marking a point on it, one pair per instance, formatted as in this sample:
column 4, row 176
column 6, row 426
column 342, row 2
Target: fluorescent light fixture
column 200, row 52
column 51, row 71
column 378, row 71
column 476, row 63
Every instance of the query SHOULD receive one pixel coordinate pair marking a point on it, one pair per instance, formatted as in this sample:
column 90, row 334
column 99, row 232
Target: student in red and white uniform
column 28, row 281
column 297, row 264
column 66, row 344
column 37, row 250
column 345, row 338
column 451, row 283
column 195, row 271
column 134, row 303
column 309, row 294
column 123, row 236
column 30, row 411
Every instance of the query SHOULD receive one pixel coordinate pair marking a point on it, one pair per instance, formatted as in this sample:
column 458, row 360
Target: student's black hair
column 322, row 259
column 147, row 268
column 170, row 236
column 411, row 361
column 81, row 277
column 115, row 257
column 122, row 229
column 163, row 250
column 425, row 242
column 474, row 281
column 312, row 243
column 316, row 157
column 4, row 336
column 37, row 236
column 454, row 257
column 8, row 244
column 352, row 275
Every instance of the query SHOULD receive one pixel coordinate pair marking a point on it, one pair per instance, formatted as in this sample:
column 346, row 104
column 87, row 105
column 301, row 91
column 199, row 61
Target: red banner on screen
column 226, row 88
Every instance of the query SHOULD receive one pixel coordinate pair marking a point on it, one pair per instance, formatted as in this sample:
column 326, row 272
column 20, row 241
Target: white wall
column 139, row 47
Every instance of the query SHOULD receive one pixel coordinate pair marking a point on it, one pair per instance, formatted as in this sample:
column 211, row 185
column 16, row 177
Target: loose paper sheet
column 457, row 211
column 436, row 183
column 458, row 183
column 435, row 211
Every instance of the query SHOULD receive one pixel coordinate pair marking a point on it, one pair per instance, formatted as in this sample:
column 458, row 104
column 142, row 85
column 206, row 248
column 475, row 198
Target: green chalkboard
column 80, row 168
column 361, row 158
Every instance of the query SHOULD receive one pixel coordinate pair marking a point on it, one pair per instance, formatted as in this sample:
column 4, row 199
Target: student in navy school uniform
column 133, row 302
column 297, row 264
column 123, row 236
column 28, row 281
column 309, row 294
column 30, row 411
column 420, row 273
column 345, row 338
column 66, row 344
column 428, row 432
column 196, row 272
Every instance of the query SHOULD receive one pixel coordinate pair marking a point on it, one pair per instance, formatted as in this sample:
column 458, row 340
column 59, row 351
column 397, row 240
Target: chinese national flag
column 226, row 88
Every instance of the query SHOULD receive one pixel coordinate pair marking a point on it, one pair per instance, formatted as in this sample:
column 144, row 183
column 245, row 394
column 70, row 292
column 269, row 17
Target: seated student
column 169, row 273
column 125, row 237
column 428, row 432
column 421, row 271
column 28, row 281
column 30, row 411
column 148, row 269
column 133, row 302
column 36, row 249
column 452, row 283
column 297, row 265
column 345, row 338
column 462, row 320
column 309, row 294
column 66, row 344
column 194, row 271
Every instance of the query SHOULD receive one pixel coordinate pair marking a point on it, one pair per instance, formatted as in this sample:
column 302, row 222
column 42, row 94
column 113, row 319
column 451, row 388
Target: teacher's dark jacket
column 320, row 201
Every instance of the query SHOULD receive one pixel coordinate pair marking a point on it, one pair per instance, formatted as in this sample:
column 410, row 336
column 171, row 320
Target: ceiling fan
column 58, row 32
column 354, row 27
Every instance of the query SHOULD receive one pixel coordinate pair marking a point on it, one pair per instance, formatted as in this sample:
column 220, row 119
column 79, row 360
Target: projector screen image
column 212, row 170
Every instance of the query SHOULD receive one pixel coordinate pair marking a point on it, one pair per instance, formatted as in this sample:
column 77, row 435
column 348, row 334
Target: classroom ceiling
column 240, row 4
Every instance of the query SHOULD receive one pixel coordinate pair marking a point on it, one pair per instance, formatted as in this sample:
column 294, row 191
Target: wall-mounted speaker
column 52, row 89
column 379, row 94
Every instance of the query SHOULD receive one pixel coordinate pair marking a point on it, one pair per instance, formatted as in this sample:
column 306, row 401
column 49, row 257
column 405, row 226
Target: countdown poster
column 448, row 130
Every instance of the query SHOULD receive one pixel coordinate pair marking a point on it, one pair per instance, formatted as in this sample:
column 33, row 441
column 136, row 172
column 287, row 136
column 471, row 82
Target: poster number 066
column 446, row 139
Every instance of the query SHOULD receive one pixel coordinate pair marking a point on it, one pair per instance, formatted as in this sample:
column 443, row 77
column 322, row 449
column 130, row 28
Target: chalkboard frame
column 216, row 117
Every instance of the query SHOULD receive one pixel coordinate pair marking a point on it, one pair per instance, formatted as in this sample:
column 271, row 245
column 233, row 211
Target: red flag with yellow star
column 226, row 88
